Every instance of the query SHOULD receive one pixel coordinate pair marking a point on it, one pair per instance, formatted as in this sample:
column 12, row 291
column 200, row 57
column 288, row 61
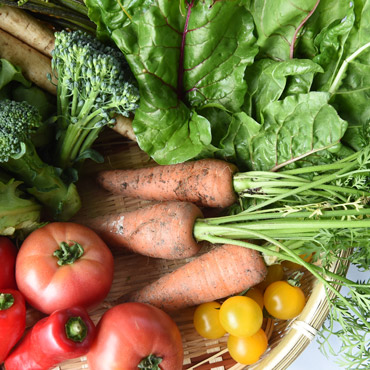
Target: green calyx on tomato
column 6, row 301
column 150, row 363
column 76, row 329
column 68, row 253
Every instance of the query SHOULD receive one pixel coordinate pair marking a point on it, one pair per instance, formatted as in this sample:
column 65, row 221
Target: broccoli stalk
column 94, row 85
column 18, row 156
column 18, row 214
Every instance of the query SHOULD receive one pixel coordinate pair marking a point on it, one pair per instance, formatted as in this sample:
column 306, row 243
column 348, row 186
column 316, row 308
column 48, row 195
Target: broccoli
column 18, row 157
column 18, row 214
column 94, row 84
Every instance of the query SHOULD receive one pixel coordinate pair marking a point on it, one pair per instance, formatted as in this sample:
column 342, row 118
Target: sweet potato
column 223, row 271
column 207, row 182
column 162, row 230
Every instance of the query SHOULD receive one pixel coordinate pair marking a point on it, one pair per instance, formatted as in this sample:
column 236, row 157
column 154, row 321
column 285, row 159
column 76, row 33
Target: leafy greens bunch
column 262, row 84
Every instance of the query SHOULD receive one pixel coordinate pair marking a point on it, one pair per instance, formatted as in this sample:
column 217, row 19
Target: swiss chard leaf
column 266, row 80
column 184, row 59
column 236, row 146
column 278, row 24
column 330, row 43
column 294, row 128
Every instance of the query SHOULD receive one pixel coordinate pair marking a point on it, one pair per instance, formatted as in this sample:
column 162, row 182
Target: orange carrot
column 207, row 182
column 225, row 270
column 162, row 230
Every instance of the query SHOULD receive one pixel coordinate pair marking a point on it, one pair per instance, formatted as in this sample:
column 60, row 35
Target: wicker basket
column 287, row 339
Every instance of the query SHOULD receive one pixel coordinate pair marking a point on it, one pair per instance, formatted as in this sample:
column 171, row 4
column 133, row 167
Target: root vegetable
column 26, row 28
column 216, row 183
column 223, row 271
column 162, row 230
column 207, row 182
column 34, row 65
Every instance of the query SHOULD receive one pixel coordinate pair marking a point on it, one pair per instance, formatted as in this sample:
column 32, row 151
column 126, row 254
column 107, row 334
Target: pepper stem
column 6, row 301
column 150, row 363
column 76, row 329
column 68, row 253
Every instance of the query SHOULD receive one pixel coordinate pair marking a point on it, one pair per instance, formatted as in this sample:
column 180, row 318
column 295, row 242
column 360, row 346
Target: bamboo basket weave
column 287, row 339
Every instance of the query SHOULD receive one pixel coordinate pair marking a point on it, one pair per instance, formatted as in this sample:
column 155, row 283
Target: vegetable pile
column 258, row 109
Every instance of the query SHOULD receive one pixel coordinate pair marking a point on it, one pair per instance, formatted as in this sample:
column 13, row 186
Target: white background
column 312, row 358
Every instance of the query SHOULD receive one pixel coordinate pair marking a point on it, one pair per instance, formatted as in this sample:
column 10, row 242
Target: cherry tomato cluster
column 241, row 317
column 62, row 270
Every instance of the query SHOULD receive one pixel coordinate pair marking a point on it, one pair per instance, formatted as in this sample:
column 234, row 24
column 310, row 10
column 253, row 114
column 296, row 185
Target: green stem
column 247, row 216
column 6, row 301
column 76, row 329
column 67, row 254
column 150, row 362
column 334, row 86
column 304, row 187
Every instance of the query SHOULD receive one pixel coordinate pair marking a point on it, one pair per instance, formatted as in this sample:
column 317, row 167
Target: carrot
column 162, row 230
column 207, row 182
column 221, row 272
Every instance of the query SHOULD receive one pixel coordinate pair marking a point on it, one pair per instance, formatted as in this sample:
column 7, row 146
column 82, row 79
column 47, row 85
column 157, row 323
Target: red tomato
column 81, row 274
column 8, row 253
column 131, row 333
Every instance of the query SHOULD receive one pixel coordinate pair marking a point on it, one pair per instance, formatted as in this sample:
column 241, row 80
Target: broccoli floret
column 18, row 156
column 94, row 85
column 19, row 215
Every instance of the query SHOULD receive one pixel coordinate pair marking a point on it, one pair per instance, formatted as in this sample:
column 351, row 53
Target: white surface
column 311, row 357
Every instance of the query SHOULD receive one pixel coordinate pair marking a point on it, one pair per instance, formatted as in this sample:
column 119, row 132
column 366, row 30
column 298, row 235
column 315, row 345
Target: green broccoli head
column 18, row 120
column 95, row 84
column 19, row 157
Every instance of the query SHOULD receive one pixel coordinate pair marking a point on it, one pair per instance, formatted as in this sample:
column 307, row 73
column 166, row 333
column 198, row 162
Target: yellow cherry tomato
column 256, row 294
column 295, row 266
column 284, row 301
column 207, row 320
column 247, row 350
column 275, row 272
column 241, row 316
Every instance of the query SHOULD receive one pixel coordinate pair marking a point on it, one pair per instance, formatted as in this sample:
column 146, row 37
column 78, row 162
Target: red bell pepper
column 8, row 253
column 63, row 335
column 12, row 320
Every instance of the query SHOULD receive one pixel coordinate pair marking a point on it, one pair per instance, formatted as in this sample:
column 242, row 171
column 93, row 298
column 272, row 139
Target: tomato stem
column 76, row 329
column 6, row 301
column 68, row 253
column 150, row 363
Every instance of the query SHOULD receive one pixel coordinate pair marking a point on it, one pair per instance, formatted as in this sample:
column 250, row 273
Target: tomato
column 133, row 333
column 275, row 272
column 8, row 253
column 64, row 264
column 296, row 266
column 247, row 350
column 256, row 294
column 283, row 300
column 241, row 316
column 207, row 320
